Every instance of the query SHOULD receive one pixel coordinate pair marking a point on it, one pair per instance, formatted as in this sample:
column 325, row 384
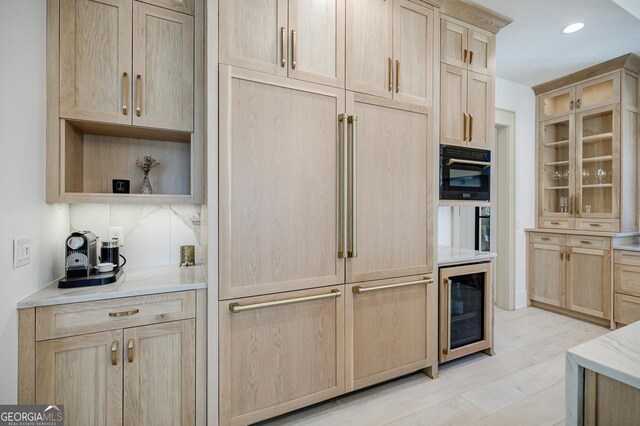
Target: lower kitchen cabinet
column 391, row 329
column 547, row 274
column 140, row 372
column 589, row 281
column 626, row 301
column 279, row 353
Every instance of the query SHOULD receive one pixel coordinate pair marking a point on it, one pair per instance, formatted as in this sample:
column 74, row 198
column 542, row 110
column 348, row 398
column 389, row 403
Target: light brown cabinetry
column 123, row 374
column 607, row 401
column 626, row 286
column 572, row 272
column 467, row 48
column 587, row 150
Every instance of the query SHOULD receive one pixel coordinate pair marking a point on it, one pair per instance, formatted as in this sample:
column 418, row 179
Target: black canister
column 110, row 252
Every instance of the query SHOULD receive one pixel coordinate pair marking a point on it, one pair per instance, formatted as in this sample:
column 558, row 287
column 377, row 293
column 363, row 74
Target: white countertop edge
column 580, row 232
column 606, row 370
column 457, row 255
column 627, row 247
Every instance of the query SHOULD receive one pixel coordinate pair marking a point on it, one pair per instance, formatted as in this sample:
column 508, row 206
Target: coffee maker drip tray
column 103, row 278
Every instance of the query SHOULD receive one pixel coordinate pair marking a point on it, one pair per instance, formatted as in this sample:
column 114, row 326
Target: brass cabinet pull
column 283, row 35
column 294, row 54
column 470, row 57
column 124, row 313
column 562, row 254
column 125, row 93
column 139, row 95
column 130, row 350
column 464, row 126
column 236, row 307
column 578, row 103
column 571, row 105
column 595, row 225
column 555, row 223
column 448, row 283
column 545, row 239
column 353, row 250
column 578, row 205
column 571, row 204
column 359, row 290
column 470, row 127
column 484, row 164
column 389, row 74
column 344, row 196
column 465, row 53
column 568, row 255
column 397, row 76
column 114, row 353
column 586, row 242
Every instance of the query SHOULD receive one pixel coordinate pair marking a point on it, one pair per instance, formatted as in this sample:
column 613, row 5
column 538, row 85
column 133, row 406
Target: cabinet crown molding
column 628, row 61
column 475, row 14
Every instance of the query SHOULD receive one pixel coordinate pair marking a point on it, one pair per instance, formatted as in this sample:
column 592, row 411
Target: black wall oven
column 465, row 173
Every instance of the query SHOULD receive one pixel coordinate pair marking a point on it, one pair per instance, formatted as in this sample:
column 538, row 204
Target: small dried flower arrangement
column 147, row 163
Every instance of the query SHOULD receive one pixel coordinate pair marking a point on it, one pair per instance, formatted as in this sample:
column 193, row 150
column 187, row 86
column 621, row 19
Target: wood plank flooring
column 523, row 384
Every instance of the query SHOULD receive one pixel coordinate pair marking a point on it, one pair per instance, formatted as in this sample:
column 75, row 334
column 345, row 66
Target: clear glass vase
column 146, row 184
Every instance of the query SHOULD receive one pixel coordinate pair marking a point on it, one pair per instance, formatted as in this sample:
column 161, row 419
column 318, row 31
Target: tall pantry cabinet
column 325, row 200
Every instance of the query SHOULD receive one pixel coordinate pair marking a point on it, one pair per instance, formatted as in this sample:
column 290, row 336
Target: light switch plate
column 117, row 232
column 21, row 252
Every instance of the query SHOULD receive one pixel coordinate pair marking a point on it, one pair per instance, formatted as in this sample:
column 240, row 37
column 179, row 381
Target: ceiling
column 533, row 49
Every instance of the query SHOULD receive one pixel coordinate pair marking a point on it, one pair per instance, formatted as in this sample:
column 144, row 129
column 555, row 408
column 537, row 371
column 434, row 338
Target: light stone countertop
column 578, row 232
column 629, row 247
column 615, row 354
column 133, row 282
column 457, row 255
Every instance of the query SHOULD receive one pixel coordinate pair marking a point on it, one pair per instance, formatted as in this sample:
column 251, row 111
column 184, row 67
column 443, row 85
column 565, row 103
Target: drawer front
column 625, row 257
column 602, row 225
column 627, row 279
column 280, row 352
column 89, row 317
column 554, row 239
column 602, row 243
column 627, row 309
column 557, row 223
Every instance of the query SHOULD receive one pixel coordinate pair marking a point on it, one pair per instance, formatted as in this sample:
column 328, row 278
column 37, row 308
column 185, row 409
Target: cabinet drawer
column 604, row 225
column 627, row 309
column 555, row 239
column 557, row 223
column 88, row 317
column 603, row 243
column 625, row 257
column 627, row 279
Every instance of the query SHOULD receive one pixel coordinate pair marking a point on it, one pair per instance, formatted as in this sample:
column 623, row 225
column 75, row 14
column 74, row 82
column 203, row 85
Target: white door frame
column 503, row 240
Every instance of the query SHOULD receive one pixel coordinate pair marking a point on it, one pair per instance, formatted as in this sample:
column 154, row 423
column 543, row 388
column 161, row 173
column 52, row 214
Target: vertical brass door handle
column 464, row 126
column 114, row 353
column 578, row 205
column 343, row 172
column 470, row 127
column 130, row 350
column 571, row 204
column 294, row 54
column 389, row 65
column 465, row 53
column 448, row 283
column 578, row 103
column 139, row 95
column 353, row 249
column 125, row 93
column 470, row 57
column 569, row 254
column 397, row 76
column 561, row 254
column 283, row 36
column 571, row 105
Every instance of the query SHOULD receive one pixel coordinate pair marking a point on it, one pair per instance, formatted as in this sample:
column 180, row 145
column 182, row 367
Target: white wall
column 521, row 100
column 23, row 211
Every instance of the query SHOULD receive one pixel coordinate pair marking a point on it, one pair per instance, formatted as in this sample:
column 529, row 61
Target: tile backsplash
column 153, row 234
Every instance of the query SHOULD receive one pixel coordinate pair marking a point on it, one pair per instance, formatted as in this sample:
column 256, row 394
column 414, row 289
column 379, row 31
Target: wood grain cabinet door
column 279, row 184
column 160, row 374
column 392, row 223
column 83, row 373
column 479, row 107
column 453, row 106
column 547, row 274
column 391, row 328
column 589, row 281
column 95, row 60
column 453, row 44
column 317, row 41
column 481, row 52
column 369, row 47
column 413, row 53
column 163, row 68
column 253, row 34
column 279, row 353
column 558, row 103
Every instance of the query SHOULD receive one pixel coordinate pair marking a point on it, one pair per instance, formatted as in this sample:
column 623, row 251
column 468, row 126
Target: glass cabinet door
column 598, row 162
column 558, row 103
column 598, row 92
column 557, row 174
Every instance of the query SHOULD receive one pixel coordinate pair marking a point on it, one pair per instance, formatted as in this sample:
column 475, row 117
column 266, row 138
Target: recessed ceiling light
column 573, row 28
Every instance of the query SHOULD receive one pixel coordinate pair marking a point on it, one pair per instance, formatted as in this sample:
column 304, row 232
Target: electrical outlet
column 21, row 252
column 117, row 232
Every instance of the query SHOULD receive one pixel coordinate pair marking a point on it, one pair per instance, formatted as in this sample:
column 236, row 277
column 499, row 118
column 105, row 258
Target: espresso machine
column 81, row 263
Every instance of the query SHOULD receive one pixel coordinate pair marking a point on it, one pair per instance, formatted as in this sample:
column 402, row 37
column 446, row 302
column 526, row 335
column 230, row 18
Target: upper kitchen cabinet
column 308, row 45
column 125, row 80
column 466, row 47
column 390, row 49
column 587, row 146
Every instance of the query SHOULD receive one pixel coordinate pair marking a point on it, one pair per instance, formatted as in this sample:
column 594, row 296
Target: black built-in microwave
column 465, row 173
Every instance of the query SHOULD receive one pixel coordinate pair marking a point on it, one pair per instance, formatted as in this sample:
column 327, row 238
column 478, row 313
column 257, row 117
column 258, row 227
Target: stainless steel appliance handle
column 470, row 162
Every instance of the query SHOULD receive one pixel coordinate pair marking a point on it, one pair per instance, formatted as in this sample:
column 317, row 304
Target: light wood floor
column 523, row 384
